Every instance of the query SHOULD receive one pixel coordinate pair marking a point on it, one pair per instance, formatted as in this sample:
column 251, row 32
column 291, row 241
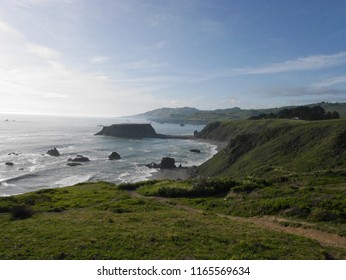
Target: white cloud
column 9, row 30
column 300, row 64
column 305, row 91
column 309, row 63
column 42, row 51
column 330, row 82
column 99, row 59
column 56, row 95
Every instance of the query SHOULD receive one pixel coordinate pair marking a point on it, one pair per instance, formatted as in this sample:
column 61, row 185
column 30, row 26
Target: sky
column 124, row 57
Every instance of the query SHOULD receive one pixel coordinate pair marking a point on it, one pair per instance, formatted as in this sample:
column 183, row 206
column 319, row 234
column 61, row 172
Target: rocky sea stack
column 135, row 130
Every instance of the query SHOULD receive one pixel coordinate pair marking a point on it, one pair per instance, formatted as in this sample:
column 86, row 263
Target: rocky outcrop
column 114, row 156
column 79, row 158
column 9, row 163
column 135, row 130
column 73, row 163
column 195, row 151
column 53, row 152
column 153, row 165
column 167, row 162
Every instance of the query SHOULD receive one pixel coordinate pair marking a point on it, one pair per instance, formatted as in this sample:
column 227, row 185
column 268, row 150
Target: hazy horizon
column 121, row 58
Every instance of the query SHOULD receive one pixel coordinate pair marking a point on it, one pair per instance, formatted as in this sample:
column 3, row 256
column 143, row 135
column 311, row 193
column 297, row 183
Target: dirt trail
column 267, row 222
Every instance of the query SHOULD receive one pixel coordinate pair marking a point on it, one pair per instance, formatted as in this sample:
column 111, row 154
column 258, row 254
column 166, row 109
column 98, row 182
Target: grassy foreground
column 104, row 221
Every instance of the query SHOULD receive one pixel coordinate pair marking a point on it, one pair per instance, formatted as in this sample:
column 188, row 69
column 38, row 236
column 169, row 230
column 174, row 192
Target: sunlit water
column 24, row 141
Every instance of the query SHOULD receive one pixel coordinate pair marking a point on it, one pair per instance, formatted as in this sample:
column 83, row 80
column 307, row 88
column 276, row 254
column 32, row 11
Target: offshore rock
column 79, row 158
column 114, row 156
column 53, row 152
column 9, row 163
column 133, row 130
column 73, row 163
column 136, row 130
column 195, row 151
column 153, row 165
column 167, row 163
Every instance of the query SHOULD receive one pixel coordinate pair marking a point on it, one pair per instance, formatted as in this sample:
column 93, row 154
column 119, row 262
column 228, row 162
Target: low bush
column 250, row 184
column 134, row 186
column 323, row 215
column 21, row 212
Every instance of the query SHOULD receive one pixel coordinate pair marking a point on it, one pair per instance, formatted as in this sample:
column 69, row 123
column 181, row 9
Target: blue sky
column 117, row 57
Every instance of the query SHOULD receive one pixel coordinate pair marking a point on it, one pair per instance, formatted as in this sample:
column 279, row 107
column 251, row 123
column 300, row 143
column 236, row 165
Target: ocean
column 25, row 140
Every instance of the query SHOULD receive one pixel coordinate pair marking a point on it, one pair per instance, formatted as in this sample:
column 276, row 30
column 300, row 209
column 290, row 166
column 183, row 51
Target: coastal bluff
column 136, row 130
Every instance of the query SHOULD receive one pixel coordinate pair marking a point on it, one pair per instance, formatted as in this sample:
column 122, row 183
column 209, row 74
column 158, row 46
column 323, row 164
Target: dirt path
column 267, row 222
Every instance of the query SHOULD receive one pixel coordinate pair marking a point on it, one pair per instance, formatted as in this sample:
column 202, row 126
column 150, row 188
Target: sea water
column 25, row 140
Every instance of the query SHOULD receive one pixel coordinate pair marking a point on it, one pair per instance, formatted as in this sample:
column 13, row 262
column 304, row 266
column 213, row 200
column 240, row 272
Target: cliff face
column 265, row 148
column 129, row 130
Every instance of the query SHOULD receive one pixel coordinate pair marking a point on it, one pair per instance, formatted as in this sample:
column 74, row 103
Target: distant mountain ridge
column 190, row 115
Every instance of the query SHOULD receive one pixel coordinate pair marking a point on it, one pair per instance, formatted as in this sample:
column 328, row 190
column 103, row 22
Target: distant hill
column 265, row 148
column 169, row 115
column 190, row 115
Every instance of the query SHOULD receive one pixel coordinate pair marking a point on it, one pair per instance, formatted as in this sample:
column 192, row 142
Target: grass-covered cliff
column 275, row 147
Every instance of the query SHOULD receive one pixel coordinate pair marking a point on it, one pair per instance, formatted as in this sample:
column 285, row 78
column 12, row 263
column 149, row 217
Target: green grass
column 99, row 221
column 269, row 148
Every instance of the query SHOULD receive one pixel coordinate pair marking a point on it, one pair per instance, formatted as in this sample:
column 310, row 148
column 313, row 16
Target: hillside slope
column 195, row 116
column 275, row 147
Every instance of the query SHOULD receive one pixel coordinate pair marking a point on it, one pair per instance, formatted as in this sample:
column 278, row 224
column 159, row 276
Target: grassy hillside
column 275, row 147
column 103, row 221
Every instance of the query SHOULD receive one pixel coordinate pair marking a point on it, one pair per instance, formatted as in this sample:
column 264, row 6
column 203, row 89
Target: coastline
column 184, row 173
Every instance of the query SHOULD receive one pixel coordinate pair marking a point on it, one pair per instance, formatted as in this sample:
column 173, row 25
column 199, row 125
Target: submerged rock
column 73, row 163
column 195, row 151
column 9, row 163
column 79, row 158
column 53, row 152
column 153, row 165
column 114, row 156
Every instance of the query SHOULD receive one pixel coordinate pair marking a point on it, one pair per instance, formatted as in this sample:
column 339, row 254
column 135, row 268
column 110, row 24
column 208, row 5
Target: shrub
column 322, row 215
column 173, row 192
column 301, row 212
column 250, row 184
column 134, row 186
column 212, row 186
column 21, row 212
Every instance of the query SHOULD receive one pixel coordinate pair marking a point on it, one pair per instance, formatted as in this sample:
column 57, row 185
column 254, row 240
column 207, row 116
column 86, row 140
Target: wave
column 17, row 178
column 73, row 180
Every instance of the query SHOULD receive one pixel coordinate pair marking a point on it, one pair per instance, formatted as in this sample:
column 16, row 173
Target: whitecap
column 73, row 180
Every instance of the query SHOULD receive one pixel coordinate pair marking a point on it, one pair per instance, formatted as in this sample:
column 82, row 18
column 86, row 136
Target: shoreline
column 185, row 173
column 178, row 173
